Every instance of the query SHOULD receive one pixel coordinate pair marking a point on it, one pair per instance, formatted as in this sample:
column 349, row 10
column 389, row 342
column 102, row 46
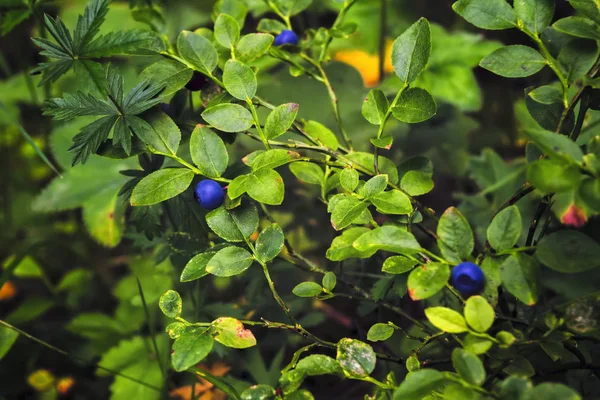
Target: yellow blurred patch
column 8, row 291
column 367, row 64
column 41, row 380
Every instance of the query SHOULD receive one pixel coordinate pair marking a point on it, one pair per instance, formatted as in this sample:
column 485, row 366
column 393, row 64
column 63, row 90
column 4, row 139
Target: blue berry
column 468, row 278
column 209, row 194
column 286, row 37
column 197, row 82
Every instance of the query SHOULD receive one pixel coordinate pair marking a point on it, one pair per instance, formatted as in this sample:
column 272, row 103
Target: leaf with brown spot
column 231, row 333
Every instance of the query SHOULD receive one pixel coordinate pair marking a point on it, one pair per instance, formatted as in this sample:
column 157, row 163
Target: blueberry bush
column 278, row 199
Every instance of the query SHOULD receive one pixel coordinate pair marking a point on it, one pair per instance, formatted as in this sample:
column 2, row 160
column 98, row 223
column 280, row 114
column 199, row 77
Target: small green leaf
column 230, row 332
column 392, row 202
column 520, row 276
column 536, row 15
column 198, row 51
column 349, row 179
column 366, row 161
column 8, row 337
column 416, row 183
column 578, row 27
column 196, row 267
column 308, row 172
column 208, row 152
column 553, row 391
column 307, row 289
column 341, row 247
column 456, row 240
column 387, row 238
column 318, row 364
column 553, row 176
column 577, row 57
column 329, row 281
column 228, row 117
column 239, row 80
column 479, row 313
column 414, row 105
column 410, row 51
column 398, row 264
column 380, row 332
column 266, row 186
column 258, row 392
column 227, row 31
column 412, row 363
column 170, row 74
column 271, row 26
column 426, row 280
column 487, row 14
column 252, row 46
column 347, row 209
column 505, row 338
column 384, row 142
column 520, row 366
column 515, row 61
column 446, row 319
column 515, row 387
column 229, row 261
column 356, row 358
column 419, row 384
column 280, row 120
column 468, row 366
column 269, row 243
column 477, row 344
column 374, row 186
column 546, row 94
column 170, row 304
column 293, row 7
column 191, row 347
column 568, row 251
column 320, row 132
column 161, row 185
column 556, row 146
column 272, row 159
column 375, row 107
column 157, row 129
column 505, row 229
column 236, row 224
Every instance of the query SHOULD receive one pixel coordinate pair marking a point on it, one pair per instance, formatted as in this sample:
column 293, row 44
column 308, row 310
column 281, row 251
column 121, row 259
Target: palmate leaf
column 89, row 23
column 134, row 41
column 76, row 105
column 142, row 97
column 91, row 136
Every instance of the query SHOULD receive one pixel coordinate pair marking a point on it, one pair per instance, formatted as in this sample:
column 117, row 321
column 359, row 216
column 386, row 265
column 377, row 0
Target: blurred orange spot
column 203, row 387
column 8, row 291
column 254, row 236
column 64, row 385
column 367, row 64
column 574, row 216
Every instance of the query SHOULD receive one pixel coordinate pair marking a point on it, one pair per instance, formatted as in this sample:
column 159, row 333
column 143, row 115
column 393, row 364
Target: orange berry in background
column 64, row 385
column 8, row 291
column 254, row 236
column 367, row 64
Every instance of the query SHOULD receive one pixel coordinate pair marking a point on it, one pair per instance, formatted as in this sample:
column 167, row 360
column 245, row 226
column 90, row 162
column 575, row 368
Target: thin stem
column 186, row 164
column 263, row 138
column 383, row 122
column 152, row 329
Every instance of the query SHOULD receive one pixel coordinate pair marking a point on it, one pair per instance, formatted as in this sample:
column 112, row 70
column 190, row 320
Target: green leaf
column 410, row 51
column 235, row 8
column 341, row 247
column 230, row 332
column 252, row 46
column 191, row 347
column 170, row 74
column 456, row 240
column 387, row 238
column 258, row 392
column 308, row 172
column 320, row 132
column 446, row 319
column 236, row 224
column 318, row 364
column 8, row 337
column 329, row 281
column 228, row 117
column 227, row 31
column 555, row 145
column 375, row 107
column 536, row 15
column 553, row 176
column 158, row 130
column 516, row 61
column 198, row 51
column 398, row 264
column 271, row 26
column 374, row 186
column 515, row 387
column 578, row 27
column 349, row 179
column 468, row 366
column 568, row 251
column 416, row 183
column 208, row 152
column 479, row 313
column 417, row 385
column 293, row 7
column 546, row 94
column 505, row 229
column 365, row 160
column 356, row 358
column 426, row 280
column 384, row 142
column 269, row 243
column 307, row 289
column 170, row 304
column 487, row 14
column 520, row 366
column 196, row 267
column 505, row 338
column 266, row 186
column 272, row 159
column 477, row 344
column 590, row 9
column 392, row 202
column 412, row 363
column 229, row 261
column 239, row 80
column 280, row 120
column 161, row 185
column 346, row 210
column 380, row 332
column 520, row 276
column 414, row 105
column 554, row 391
column 238, row 186
column 577, row 57
column 104, row 217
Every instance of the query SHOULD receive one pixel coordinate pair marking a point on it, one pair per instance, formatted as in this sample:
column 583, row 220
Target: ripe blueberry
column 468, row 278
column 286, row 37
column 209, row 194
column 198, row 82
